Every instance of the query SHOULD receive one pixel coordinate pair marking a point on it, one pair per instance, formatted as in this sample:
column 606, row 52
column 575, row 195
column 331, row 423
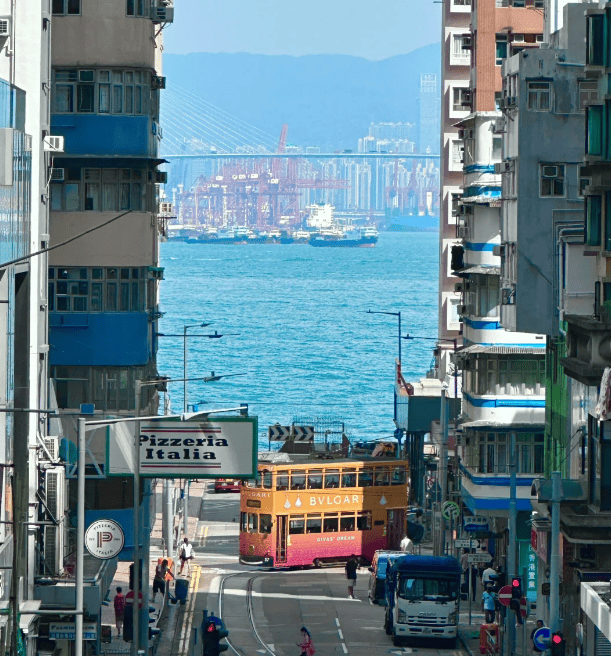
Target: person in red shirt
column 119, row 603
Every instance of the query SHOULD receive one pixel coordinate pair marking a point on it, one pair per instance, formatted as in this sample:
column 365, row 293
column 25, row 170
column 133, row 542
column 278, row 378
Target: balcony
column 588, row 349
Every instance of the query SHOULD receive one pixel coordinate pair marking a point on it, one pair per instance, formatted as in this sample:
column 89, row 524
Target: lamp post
column 437, row 340
column 184, row 358
column 392, row 314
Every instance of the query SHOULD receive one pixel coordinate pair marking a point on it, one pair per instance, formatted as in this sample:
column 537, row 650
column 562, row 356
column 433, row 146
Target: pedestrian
column 464, row 563
column 161, row 572
column 488, row 605
column 474, row 573
column 185, row 553
column 351, row 566
column 119, row 604
column 306, row 645
column 407, row 546
column 489, row 576
column 538, row 625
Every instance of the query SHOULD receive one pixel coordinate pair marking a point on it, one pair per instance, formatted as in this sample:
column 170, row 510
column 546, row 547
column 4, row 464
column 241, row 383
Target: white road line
column 341, row 635
column 282, row 595
column 215, row 585
column 344, row 648
column 337, row 621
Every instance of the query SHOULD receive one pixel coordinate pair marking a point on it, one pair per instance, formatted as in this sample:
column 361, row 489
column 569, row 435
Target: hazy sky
column 374, row 29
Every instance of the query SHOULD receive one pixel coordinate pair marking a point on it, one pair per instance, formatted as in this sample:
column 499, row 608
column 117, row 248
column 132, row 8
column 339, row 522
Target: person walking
column 488, row 605
column 351, row 566
column 185, row 553
column 407, row 546
column 489, row 576
column 538, row 625
column 161, row 572
column 119, row 604
column 306, row 645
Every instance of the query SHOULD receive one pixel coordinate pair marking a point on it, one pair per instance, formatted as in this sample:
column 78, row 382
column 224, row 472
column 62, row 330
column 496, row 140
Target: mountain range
column 326, row 100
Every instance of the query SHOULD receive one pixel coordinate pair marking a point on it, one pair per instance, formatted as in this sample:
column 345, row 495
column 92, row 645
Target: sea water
column 294, row 324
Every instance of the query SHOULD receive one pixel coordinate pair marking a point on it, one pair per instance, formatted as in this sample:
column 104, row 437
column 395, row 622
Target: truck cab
column 422, row 597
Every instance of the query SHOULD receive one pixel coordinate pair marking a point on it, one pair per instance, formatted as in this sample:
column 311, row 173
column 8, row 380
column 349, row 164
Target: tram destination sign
column 224, row 447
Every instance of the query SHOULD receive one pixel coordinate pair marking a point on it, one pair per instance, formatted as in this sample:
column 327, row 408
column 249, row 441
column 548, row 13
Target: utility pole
column 136, row 491
column 443, row 470
column 510, row 626
column 554, row 578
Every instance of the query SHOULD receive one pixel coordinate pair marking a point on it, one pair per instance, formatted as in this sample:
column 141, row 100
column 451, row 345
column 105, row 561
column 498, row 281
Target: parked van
column 377, row 579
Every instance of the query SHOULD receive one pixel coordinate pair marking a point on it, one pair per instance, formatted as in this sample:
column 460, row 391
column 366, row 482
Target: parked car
column 226, row 485
column 377, row 578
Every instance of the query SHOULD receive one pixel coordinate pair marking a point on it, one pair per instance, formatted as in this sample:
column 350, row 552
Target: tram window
column 314, row 524
column 315, row 479
column 297, row 525
column 398, row 476
column 349, row 478
column 282, row 481
column 381, row 477
column 346, row 522
column 267, row 479
column 365, row 478
column 265, row 524
column 253, row 522
column 298, row 480
column 330, row 523
column 331, row 478
column 363, row 521
column 243, row 522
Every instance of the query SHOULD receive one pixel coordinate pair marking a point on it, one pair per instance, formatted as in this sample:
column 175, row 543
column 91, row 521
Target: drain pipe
column 80, row 536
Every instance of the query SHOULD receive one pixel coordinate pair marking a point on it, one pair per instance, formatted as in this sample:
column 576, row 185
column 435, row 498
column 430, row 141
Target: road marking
column 337, row 621
column 283, row 595
column 206, row 534
column 344, row 648
column 341, row 635
column 215, row 585
column 185, row 634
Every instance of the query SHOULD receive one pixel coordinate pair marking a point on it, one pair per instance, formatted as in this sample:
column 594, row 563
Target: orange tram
column 306, row 512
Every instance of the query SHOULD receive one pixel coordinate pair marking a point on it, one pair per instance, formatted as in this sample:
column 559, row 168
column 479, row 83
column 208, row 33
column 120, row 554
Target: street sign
column 67, row 631
column 279, row 433
column 450, row 510
column 467, row 544
column 524, row 607
column 542, row 638
column 505, row 595
column 104, row 539
column 482, row 557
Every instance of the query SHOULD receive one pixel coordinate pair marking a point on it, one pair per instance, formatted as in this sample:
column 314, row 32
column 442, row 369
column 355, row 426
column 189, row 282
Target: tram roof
column 302, row 460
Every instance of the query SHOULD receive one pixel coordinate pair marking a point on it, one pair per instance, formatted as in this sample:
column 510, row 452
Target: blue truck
column 422, row 598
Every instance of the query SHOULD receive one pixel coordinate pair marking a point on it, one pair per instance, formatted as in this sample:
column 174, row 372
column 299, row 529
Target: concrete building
column 103, row 287
column 429, row 114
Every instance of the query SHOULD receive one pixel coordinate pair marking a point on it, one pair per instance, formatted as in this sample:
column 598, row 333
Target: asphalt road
column 264, row 611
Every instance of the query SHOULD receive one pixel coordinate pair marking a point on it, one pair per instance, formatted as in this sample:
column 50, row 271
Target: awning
column 501, row 350
column 517, row 426
column 481, row 269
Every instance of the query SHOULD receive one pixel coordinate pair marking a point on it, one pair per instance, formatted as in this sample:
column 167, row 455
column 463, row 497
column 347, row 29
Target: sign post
column 542, row 638
column 505, row 595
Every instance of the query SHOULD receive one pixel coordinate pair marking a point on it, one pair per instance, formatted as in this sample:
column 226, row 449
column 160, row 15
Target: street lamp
column 453, row 341
column 184, row 359
column 392, row 314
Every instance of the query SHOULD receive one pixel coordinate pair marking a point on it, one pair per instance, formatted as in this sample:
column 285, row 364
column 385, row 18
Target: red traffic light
column 556, row 639
column 515, row 583
column 211, row 628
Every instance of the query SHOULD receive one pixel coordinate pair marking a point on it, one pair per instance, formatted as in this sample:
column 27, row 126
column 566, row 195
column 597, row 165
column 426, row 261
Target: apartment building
column 103, row 287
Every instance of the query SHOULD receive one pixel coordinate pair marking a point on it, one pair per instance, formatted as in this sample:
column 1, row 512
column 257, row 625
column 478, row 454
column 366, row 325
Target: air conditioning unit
column 512, row 101
column 161, row 177
column 55, row 500
column 157, row 82
column 467, row 42
column 461, row 133
column 53, row 144
column 498, row 250
column 549, row 171
column 57, row 175
column 500, row 125
column 507, row 295
column 465, row 210
column 502, row 102
column 539, row 38
column 165, row 208
column 5, row 27
column 52, row 445
column 155, row 273
column 86, row 76
column 466, row 99
column 463, row 232
column 463, row 309
column 499, row 168
column 459, row 287
column 162, row 14
column 518, row 38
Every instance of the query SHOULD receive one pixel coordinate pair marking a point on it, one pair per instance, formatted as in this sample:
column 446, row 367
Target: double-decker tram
column 303, row 511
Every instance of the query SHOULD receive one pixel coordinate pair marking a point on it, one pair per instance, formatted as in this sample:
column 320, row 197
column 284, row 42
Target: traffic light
column 516, row 595
column 558, row 645
column 131, row 575
column 213, row 631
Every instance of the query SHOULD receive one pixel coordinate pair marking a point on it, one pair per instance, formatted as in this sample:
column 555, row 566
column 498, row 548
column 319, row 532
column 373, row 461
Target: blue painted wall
column 100, row 339
column 108, row 136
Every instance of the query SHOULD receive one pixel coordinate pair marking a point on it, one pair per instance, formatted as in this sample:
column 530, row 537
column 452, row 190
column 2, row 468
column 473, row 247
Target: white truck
column 422, row 597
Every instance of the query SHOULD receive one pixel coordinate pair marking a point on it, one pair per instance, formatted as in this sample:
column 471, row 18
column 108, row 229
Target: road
column 264, row 611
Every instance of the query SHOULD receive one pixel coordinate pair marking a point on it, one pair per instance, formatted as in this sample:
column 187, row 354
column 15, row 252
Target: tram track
column 249, row 607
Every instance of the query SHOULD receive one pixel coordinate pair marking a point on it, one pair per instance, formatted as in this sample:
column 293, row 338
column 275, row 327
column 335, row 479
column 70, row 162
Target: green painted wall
column 557, row 404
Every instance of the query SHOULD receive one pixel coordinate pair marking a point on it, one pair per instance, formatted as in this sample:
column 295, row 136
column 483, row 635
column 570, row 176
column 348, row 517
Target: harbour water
column 304, row 342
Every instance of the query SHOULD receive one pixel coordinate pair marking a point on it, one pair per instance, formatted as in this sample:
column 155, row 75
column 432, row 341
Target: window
column 282, row 481
column 243, row 522
column 436, row 590
column 265, row 524
column 82, row 289
column 349, row 478
column 266, row 475
column 506, row 376
column 460, row 95
column 458, row 54
column 584, row 183
column 381, row 477
column 490, row 452
column 330, row 523
column 487, row 296
column 253, row 523
column 365, row 478
column 296, row 525
column 593, row 220
column 595, row 40
column 315, row 479
column 298, row 480
column 501, row 48
column 66, row 7
column 594, row 129
column 363, row 520
column 552, row 179
column 331, row 478
column 102, row 91
column 539, row 96
column 588, row 91
column 458, row 151
column 137, row 8
column 347, row 522
column 314, row 524
column 497, row 148
column 397, row 476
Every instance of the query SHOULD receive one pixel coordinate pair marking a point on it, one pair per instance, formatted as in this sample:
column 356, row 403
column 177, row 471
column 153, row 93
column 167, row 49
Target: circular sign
column 542, row 638
column 450, row 510
column 104, row 539
column 524, row 607
column 505, row 595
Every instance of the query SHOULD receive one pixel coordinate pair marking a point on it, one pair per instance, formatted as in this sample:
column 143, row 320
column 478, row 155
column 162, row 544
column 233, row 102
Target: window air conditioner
column 459, row 287
column 539, row 38
column 57, row 175
column 467, row 42
column 161, row 177
column 500, row 125
column 466, row 210
column 498, row 250
column 500, row 168
column 549, row 171
column 512, row 101
column 463, row 309
column 463, row 232
column 5, row 27
column 53, row 144
column 507, row 295
column 461, row 133
column 466, row 99
column 162, row 14
column 157, row 82
column 52, row 445
column 156, row 273
column 518, row 38
column 55, row 484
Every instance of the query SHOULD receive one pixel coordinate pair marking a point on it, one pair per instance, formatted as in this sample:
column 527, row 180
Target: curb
column 465, row 643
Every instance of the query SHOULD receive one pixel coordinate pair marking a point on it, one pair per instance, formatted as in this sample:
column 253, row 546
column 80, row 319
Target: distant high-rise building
column 429, row 114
